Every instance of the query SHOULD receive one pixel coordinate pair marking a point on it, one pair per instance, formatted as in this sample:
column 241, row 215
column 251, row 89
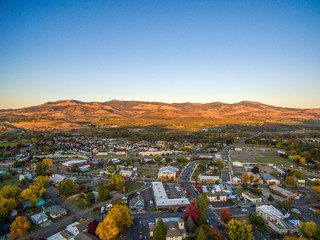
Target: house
column 208, row 178
column 28, row 177
column 66, row 235
column 126, row 173
column 115, row 160
column 236, row 180
column 55, row 179
column 137, row 203
column 39, row 218
column 217, row 196
column 168, row 171
column 84, row 168
column 270, row 179
column 85, row 236
column 276, row 221
column 301, row 182
column 48, row 204
column 282, row 192
column 56, row 211
column 83, row 226
column 251, row 197
column 175, row 228
column 27, row 204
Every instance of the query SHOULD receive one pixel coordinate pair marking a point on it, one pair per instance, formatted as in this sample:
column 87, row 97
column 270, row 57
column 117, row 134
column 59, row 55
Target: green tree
column 75, row 168
column 201, row 235
column 111, row 169
column 157, row 157
column 89, row 197
column 239, row 230
column 239, row 191
column 10, row 191
column 202, row 207
column 270, row 198
column 66, row 186
column 129, row 162
column 41, row 168
column 103, row 191
column 190, row 225
column 160, row 230
column 310, row 230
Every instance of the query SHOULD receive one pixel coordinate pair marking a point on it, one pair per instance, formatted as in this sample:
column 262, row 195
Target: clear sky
column 170, row 51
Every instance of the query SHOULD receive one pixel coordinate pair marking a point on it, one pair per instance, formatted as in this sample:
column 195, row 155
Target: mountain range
column 79, row 113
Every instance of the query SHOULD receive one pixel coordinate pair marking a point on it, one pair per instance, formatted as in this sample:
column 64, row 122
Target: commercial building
column 270, row 179
column 162, row 200
column 276, row 221
column 282, row 192
column 168, row 171
column 70, row 163
column 206, row 178
column 237, row 164
column 126, row 173
column 251, row 197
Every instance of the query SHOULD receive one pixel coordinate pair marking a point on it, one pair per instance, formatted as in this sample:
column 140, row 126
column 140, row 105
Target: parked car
column 102, row 209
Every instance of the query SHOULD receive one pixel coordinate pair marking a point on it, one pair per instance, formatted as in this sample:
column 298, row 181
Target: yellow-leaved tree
column 42, row 181
column 32, row 193
column 47, row 161
column 239, row 230
column 114, row 222
column 19, row 227
column 107, row 229
column 245, row 177
column 6, row 207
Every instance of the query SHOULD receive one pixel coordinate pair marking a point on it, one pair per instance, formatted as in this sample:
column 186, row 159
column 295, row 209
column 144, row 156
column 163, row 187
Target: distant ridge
column 155, row 112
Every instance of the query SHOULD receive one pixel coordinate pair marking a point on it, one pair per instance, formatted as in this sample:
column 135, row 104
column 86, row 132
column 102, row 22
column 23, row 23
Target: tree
column 164, row 179
column 81, row 187
column 188, row 192
column 129, row 162
column 202, row 206
column 103, row 191
column 225, row 215
column 274, row 173
column 42, row 181
column 75, row 168
column 19, row 227
column 10, row 191
column 316, row 188
column 32, row 193
column 89, row 197
column 291, row 180
column 157, row 157
column 201, row 188
column 192, row 211
column 245, row 177
column 239, row 191
column 6, row 207
column 190, row 225
column 239, row 230
column 107, row 229
column 284, row 205
column 255, row 170
column 256, row 220
column 121, row 215
column 116, row 181
column 302, row 161
column 66, row 186
column 160, row 230
column 48, row 162
column 110, row 170
column 201, row 235
column 310, row 230
column 293, row 237
column 92, row 227
column 270, row 198
column 41, row 168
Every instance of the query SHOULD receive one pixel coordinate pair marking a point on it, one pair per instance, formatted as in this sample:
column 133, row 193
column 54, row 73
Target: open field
column 256, row 146
column 261, row 157
column 11, row 144
column 148, row 172
column 131, row 186
column 12, row 181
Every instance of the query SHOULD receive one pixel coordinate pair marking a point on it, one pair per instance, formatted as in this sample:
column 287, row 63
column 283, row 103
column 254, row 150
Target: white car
column 103, row 209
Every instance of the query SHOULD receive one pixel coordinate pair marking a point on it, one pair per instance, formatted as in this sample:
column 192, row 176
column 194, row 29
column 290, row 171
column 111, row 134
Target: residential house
column 85, row 236
column 83, row 226
column 39, row 218
column 66, row 235
column 276, row 221
column 175, row 228
column 169, row 171
column 27, row 176
column 56, row 211
column 137, row 203
column 27, row 204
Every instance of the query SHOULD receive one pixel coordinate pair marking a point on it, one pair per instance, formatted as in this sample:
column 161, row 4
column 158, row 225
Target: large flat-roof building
column 282, row 192
column 206, row 178
column 70, row 163
column 270, row 179
column 251, row 197
column 168, row 172
column 162, row 200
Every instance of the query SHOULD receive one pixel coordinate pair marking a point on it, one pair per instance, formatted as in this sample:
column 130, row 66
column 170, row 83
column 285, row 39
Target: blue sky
column 170, row 51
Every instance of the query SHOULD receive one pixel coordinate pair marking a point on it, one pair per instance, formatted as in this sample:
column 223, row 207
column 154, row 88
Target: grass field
column 148, row 172
column 261, row 157
column 77, row 202
column 11, row 144
column 12, row 181
column 131, row 186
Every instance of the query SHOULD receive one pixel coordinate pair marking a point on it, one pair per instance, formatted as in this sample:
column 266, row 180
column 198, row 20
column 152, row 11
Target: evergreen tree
column 201, row 235
column 103, row 191
column 202, row 206
column 160, row 231
column 190, row 225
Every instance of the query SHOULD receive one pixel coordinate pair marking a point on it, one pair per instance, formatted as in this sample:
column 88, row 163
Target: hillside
column 74, row 114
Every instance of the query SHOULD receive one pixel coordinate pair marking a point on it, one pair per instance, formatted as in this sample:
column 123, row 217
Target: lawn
column 148, row 172
column 77, row 202
column 261, row 157
column 11, row 144
column 12, row 181
column 131, row 186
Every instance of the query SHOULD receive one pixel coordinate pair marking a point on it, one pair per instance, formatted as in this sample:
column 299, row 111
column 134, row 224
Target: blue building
column 137, row 203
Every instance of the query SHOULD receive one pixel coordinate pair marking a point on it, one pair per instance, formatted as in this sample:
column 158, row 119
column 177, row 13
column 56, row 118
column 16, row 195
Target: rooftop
column 162, row 199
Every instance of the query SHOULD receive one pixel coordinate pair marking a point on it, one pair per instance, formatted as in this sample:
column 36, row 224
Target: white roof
column 217, row 187
column 271, row 211
column 69, row 228
column 168, row 169
column 208, row 177
column 162, row 199
column 57, row 178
